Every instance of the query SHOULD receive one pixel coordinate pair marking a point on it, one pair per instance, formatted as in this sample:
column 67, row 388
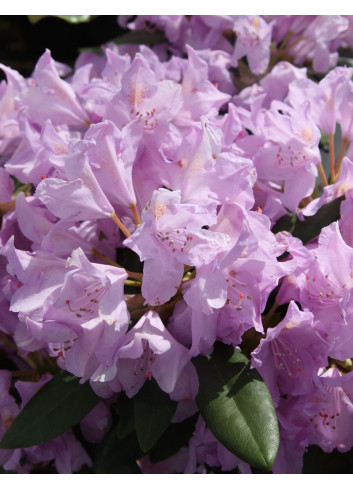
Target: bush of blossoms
column 177, row 250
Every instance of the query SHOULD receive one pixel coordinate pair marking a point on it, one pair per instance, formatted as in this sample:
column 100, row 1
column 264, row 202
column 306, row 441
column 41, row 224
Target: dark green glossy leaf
column 175, row 437
column 311, row 227
column 58, row 405
column 153, row 410
column 237, row 406
column 117, row 456
column 285, row 223
column 126, row 423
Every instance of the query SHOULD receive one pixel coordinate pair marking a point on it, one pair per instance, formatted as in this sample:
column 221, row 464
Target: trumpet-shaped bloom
column 149, row 350
column 170, row 237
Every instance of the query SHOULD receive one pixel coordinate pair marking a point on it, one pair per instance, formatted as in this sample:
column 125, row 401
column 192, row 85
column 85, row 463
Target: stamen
column 286, row 358
column 120, row 224
column 87, row 304
column 175, row 239
column 235, row 299
column 144, row 362
column 135, row 213
column 59, row 349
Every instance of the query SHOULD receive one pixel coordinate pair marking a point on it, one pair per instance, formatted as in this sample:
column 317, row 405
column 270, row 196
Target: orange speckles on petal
column 60, row 149
column 137, row 94
column 307, row 135
column 159, row 210
column 256, row 22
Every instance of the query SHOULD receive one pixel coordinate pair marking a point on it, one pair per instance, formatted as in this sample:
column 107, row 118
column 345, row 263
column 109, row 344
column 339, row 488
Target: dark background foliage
column 22, row 43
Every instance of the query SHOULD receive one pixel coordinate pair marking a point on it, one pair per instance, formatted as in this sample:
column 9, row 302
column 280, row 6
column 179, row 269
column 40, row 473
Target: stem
column 7, row 206
column 289, row 46
column 188, row 276
column 272, row 310
column 340, row 157
column 285, row 41
column 7, row 341
column 135, row 275
column 105, row 258
column 332, row 157
column 120, row 224
column 166, row 310
column 133, row 283
column 139, row 312
column 322, row 174
column 23, row 373
column 187, row 268
column 135, row 214
column 266, row 318
column 28, row 359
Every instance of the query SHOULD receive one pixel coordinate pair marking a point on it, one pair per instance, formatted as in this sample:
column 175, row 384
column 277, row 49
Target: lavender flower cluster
column 185, row 156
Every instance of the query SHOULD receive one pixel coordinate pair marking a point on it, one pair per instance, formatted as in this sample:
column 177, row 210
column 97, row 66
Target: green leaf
column 153, row 410
column 176, row 436
column 58, row 405
column 117, row 456
column 237, row 406
column 72, row 19
column 126, row 423
column 311, row 227
column 285, row 223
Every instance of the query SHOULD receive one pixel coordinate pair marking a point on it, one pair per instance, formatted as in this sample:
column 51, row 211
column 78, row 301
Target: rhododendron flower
column 170, row 237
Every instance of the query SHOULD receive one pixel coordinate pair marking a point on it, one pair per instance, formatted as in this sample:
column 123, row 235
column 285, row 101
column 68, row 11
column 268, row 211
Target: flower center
column 286, row 358
column 87, row 305
column 287, row 157
column 144, row 362
column 235, row 291
column 177, row 240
